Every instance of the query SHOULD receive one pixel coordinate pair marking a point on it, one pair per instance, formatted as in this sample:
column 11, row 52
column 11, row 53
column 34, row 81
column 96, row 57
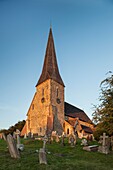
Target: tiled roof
column 86, row 129
column 75, row 112
column 50, row 68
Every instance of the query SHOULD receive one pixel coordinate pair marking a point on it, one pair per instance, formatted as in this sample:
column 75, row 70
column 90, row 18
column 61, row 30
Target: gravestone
column 29, row 135
column 12, row 147
column 25, row 136
column 49, row 138
column 57, row 138
column 92, row 148
column 72, row 139
column 20, row 146
column 42, row 156
column 45, row 139
column 84, row 142
column 112, row 143
column 62, row 139
column 105, row 141
column 14, row 135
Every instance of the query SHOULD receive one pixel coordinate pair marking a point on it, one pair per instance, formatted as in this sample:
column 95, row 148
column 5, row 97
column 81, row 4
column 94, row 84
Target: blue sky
column 83, row 36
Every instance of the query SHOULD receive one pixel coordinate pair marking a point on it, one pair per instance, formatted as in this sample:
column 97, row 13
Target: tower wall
column 48, row 102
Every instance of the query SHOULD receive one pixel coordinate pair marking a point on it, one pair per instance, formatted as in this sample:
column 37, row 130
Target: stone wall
column 48, row 101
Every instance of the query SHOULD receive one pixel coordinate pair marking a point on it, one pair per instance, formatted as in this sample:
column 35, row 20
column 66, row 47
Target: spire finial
column 50, row 24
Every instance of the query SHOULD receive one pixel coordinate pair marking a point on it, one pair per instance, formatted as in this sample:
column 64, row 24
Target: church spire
column 50, row 68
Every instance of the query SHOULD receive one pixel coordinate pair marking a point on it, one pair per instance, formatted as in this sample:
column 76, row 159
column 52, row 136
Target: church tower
column 46, row 112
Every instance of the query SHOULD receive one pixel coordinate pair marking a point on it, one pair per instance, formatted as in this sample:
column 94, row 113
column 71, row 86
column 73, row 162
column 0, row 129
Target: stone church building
column 48, row 110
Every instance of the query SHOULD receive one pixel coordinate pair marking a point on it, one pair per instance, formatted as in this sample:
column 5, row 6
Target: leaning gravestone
column 92, row 148
column 42, row 156
column 105, row 144
column 12, row 147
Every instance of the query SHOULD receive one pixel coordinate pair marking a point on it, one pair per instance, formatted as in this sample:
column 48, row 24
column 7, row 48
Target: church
column 48, row 110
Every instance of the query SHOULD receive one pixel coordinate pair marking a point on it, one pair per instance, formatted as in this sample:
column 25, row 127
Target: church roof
column 87, row 129
column 75, row 112
column 50, row 68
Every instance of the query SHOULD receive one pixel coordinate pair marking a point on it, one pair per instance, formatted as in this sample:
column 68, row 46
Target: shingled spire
column 50, row 68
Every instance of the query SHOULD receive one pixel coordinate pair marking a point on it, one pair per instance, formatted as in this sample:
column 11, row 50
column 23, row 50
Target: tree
column 103, row 114
column 11, row 129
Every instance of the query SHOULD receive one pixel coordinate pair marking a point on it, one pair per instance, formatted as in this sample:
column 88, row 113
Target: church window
column 57, row 91
column 40, row 129
column 68, row 131
column 42, row 92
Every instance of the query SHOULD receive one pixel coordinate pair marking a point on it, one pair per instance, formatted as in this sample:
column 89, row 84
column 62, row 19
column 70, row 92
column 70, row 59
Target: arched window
column 40, row 129
column 42, row 92
column 68, row 131
column 57, row 91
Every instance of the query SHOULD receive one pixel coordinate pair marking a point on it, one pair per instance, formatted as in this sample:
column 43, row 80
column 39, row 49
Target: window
column 68, row 131
column 57, row 91
column 42, row 92
column 40, row 129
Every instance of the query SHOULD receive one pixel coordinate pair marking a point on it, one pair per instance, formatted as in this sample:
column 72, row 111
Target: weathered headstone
column 42, row 156
column 57, row 138
column 84, row 142
column 62, row 139
column 112, row 143
column 92, row 148
column 72, row 139
column 49, row 138
column 45, row 139
column 25, row 136
column 29, row 135
column 12, row 147
column 105, row 144
column 14, row 135
column 20, row 146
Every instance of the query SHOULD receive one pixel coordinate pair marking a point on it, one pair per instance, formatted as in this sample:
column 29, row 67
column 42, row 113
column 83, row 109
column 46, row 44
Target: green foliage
column 60, row 157
column 103, row 114
column 11, row 129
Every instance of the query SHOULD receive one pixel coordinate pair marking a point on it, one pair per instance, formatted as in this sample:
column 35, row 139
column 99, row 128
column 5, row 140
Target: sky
column 83, row 37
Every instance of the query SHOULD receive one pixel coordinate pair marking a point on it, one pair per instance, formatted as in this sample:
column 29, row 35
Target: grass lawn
column 60, row 158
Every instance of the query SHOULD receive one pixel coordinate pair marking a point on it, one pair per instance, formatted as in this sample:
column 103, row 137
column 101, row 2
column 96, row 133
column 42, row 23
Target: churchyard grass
column 59, row 158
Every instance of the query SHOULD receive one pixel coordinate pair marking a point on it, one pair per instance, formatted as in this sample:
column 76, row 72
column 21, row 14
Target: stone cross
column 45, row 139
column 20, row 146
column 105, row 144
column 104, row 137
column 12, row 147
